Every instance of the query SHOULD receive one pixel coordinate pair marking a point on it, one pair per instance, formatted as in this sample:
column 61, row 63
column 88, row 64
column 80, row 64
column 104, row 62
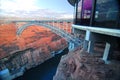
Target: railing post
column 106, row 52
column 90, row 46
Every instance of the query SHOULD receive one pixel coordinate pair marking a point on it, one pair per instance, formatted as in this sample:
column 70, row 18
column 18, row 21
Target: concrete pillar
column 87, row 36
column 5, row 75
column 88, row 44
column 90, row 47
column 86, row 41
column 85, row 45
column 106, row 52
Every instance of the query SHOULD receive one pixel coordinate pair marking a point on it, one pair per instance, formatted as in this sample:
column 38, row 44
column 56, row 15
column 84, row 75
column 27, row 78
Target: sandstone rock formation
column 80, row 65
column 35, row 45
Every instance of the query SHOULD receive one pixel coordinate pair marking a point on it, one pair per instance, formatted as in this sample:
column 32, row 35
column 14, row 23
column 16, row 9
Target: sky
column 36, row 8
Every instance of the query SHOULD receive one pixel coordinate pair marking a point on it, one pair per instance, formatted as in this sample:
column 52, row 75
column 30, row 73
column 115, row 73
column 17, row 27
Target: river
column 44, row 71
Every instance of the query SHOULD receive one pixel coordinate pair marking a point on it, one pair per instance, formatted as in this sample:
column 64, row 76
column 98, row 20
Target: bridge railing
column 64, row 34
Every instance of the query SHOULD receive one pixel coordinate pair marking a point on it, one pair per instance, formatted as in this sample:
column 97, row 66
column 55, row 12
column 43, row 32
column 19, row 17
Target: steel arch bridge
column 70, row 38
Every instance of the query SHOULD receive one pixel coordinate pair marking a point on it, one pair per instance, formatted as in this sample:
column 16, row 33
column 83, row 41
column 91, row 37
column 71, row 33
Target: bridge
column 59, row 27
column 54, row 26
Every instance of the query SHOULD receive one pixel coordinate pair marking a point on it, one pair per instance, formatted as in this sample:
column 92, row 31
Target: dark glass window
column 87, row 9
column 84, row 12
column 79, row 12
column 107, row 13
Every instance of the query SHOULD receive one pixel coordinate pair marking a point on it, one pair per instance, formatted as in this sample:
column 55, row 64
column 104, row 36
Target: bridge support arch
column 73, row 41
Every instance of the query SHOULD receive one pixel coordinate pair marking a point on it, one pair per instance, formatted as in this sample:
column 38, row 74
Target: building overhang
column 72, row 2
column 98, row 30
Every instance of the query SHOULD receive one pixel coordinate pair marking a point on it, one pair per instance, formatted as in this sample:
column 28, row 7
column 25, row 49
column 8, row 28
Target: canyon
column 34, row 46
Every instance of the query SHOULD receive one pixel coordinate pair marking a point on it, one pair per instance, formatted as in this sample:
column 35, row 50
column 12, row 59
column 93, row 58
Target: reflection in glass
column 106, row 13
column 84, row 12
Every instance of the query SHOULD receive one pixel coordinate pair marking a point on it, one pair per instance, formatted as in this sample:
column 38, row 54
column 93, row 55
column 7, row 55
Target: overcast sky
column 36, row 8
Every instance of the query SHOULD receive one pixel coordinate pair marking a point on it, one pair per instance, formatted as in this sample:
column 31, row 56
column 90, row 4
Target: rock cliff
column 35, row 45
column 80, row 65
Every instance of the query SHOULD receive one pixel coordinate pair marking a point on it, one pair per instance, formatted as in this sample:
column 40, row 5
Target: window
column 107, row 13
column 79, row 12
column 84, row 12
column 87, row 9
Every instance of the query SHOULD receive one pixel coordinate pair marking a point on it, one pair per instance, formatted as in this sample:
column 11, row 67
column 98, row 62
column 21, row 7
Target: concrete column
column 106, row 52
column 86, row 41
column 90, row 47
column 87, row 36
column 85, row 45
column 88, row 44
